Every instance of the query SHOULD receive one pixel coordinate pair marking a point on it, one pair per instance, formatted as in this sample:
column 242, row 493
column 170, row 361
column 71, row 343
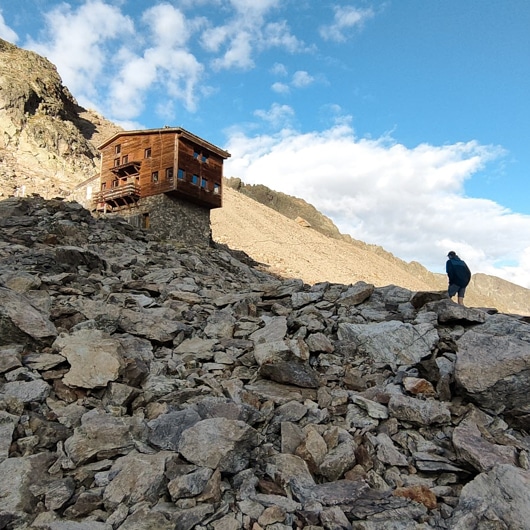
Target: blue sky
column 407, row 122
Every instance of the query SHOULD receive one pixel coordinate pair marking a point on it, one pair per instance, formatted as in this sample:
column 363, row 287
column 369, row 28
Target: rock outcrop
column 148, row 386
column 49, row 142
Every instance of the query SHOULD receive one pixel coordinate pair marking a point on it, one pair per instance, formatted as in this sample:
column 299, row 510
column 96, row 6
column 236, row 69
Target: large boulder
column 494, row 372
column 497, row 499
column 21, row 322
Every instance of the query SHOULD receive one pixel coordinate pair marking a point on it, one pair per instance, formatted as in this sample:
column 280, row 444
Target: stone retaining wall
column 171, row 218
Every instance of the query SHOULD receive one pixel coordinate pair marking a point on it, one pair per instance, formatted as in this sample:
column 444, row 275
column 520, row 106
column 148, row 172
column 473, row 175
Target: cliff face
column 48, row 141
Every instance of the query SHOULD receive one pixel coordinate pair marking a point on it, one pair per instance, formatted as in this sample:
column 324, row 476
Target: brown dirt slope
column 286, row 247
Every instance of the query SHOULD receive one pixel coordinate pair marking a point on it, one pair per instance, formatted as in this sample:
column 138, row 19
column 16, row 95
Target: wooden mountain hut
column 164, row 179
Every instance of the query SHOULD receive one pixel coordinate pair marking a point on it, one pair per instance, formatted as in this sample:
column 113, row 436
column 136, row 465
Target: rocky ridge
column 49, row 142
column 148, row 386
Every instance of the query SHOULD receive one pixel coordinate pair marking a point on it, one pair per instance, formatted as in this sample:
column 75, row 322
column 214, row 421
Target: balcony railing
column 118, row 196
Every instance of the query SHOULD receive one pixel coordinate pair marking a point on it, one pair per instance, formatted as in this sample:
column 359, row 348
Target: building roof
column 179, row 131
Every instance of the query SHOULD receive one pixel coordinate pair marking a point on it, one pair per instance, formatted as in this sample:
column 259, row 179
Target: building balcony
column 117, row 197
column 127, row 169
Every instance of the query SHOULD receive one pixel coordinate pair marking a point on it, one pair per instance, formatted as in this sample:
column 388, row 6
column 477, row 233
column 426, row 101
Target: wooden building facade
column 146, row 174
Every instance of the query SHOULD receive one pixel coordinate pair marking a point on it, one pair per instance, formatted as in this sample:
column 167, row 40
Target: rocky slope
column 148, row 386
column 49, row 145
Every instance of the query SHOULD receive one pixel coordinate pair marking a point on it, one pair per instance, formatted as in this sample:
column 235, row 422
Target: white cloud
column 173, row 71
column 113, row 66
column 302, row 79
column 169, row 27
column 345, row 19
column 411, row 201
column 128, row 89
column 279, row 116
column 279, row 69
column 254, row 8
column 6, row 32
column 280, row 88
column 247, row 33
column 238, row 53
column 117, row 81
column 278, row 35
column 76, row 42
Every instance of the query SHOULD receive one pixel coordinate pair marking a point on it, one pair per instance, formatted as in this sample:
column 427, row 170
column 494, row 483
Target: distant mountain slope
column 49, row 145
column 316, row 251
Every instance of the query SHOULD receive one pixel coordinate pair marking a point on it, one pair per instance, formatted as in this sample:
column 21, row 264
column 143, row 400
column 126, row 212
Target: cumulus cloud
column 254, row 8
column 302, row 78
column 411, row 201
column 280, row 88
column 246, row 33
column 113, row 64
column 6, row 32
column 345, row 19
column 169, row 27
column 279, row 69
column 166, row 65
column 238, row 53
column 76, row 41
column 279, row 116
column 117, row 79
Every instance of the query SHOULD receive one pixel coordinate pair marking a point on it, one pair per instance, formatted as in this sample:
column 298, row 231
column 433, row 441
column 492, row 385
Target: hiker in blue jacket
column 459, row 276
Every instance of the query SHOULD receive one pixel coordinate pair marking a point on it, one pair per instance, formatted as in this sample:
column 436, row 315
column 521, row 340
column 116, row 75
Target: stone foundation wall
column 171, row 218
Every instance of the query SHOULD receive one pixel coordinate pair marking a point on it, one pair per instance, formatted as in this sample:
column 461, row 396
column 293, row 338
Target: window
column 125, row 159
column 195, row 180
column 200, row 156
column 181, row 174
column 115, row 183
column 117, row 149
column 169, row 173
column 116, row 162
column 204, row 183
column 103, row 186
column 154, row 176
column 147, row 153
column 216, row 188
